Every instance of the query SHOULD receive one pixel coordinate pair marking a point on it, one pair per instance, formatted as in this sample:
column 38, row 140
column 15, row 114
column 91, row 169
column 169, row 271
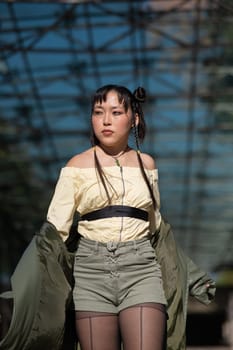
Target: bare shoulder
column 148, row 161
column 82, row 160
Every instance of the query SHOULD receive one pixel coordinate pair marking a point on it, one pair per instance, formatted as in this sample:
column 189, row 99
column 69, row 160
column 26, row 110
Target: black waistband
column 115, row 211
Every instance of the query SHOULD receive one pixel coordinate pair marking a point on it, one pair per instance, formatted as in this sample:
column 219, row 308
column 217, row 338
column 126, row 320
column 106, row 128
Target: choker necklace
column 116, row 158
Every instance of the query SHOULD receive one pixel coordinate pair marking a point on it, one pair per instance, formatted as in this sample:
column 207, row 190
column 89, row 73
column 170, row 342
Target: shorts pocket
column 146, row 252
column 83, row 253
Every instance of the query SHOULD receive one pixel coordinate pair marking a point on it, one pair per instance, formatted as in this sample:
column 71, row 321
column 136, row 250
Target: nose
column 107, row 120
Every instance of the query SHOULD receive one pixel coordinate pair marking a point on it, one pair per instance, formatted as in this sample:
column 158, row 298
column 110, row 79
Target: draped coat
column 41, row 290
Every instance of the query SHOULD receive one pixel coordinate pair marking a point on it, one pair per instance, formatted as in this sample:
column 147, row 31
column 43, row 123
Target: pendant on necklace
column 116, row 158
column 117, row 162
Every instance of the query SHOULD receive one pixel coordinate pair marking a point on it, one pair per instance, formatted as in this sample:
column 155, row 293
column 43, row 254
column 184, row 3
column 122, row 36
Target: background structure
column 53, row 55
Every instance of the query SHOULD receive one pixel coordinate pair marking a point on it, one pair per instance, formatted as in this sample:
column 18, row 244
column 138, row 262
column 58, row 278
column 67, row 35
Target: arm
column 201, row 286
column 63, row 204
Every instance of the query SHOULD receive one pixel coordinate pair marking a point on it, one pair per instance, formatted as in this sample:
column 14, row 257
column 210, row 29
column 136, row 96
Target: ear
column 136, row 120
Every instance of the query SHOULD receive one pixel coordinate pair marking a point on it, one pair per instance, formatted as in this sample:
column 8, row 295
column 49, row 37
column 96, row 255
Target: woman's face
column 111, row 123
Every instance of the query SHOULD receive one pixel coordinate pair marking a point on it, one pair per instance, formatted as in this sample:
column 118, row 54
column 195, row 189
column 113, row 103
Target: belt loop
column 96, row 246
column 135, row 245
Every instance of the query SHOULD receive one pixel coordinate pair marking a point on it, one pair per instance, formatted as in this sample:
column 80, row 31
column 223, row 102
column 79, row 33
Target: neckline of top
column 108, row 167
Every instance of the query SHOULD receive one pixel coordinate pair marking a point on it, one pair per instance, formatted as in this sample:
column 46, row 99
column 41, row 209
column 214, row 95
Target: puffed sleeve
column 63, row 204
column 155, row 215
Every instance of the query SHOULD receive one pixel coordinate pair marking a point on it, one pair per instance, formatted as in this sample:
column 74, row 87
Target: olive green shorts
column 110, row 277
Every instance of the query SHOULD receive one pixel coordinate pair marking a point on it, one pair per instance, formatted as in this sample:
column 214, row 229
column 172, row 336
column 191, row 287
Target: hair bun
column 140, row 94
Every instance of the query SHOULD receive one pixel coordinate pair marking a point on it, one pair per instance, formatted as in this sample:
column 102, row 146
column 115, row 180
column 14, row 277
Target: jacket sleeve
column 181, row 278
column 174, row 284
column 42, row 296
column 201, row 285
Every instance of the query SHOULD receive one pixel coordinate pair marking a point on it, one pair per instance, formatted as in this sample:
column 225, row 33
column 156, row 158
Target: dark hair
column 129, row 100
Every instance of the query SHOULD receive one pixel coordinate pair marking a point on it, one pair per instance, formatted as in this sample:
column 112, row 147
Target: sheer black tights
column 140, row 327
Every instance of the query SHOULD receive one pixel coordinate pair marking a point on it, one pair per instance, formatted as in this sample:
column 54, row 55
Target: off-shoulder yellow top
column 80, row 189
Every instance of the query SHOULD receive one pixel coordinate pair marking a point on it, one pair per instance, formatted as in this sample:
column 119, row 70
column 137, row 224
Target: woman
column 118, row 293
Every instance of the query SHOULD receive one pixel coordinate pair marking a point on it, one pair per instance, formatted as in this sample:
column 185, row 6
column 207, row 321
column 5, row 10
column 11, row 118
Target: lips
column 107, row 132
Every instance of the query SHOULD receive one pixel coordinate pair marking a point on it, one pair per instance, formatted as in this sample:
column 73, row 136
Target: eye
column 97, row 112
column 117, row 112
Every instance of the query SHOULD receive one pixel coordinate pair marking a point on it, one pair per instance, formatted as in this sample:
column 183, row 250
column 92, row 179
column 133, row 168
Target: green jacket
column 43, row 316
column 181, row 278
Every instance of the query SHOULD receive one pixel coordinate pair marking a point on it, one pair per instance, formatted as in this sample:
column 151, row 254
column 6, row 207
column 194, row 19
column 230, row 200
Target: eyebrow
column 112, row 107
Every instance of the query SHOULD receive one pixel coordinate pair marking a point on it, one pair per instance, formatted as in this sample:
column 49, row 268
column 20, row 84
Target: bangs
column 124, row 96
